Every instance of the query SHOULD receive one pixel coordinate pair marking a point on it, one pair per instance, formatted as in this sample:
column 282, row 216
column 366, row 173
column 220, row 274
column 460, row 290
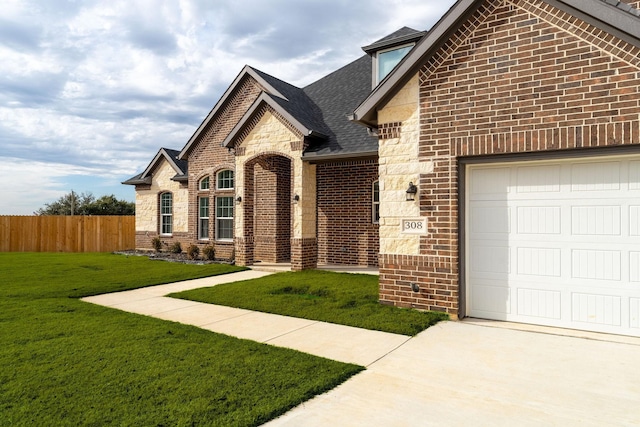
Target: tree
column 86, row 204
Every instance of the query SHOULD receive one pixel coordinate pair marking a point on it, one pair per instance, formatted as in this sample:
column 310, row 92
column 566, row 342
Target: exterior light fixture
column 238, row 200
column 411, row 192
column 296, row 198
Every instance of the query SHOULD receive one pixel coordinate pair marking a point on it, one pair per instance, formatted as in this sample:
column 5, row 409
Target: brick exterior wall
column 272, row 207
column 518, row 77
column 346, row 233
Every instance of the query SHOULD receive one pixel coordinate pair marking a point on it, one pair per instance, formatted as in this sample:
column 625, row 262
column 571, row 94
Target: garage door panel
column 540, row 179
column 491, row 220
column 539, row 262
column 596, row 220
column 634, row 220
column 596, row 265
column 634, row 313
column 541, row 303
column 634, row 267
column 491, row 259
column 492, row 299
column 595, row 176
column 596, row 309
column 538, row 220
column 559, row 247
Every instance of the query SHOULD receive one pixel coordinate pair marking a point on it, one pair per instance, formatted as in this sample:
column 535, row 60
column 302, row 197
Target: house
column 490, row 167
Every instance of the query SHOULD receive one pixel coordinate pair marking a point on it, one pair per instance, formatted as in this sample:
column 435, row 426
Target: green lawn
column 347, row 299
column 64, row 362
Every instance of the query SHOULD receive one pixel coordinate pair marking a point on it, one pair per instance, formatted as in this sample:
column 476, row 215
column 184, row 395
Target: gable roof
column 272, row 85
column 171, row 156
column 612, row 16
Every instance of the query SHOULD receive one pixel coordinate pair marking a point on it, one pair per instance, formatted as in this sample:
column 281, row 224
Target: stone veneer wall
column 269, row 136
column 518, row 77
column 346, row 232
column 148, row 207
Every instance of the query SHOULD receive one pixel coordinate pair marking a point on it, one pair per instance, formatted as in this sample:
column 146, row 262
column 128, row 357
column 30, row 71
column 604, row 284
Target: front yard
column 343, row 298
column 66, row 362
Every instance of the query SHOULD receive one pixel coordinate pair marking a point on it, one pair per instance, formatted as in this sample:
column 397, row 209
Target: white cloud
column 93, row 89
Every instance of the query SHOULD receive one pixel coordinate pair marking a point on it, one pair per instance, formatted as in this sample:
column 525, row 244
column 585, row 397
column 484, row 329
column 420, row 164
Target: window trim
column 202, row 219
column 231, row 205
column 166, row 215
column 375, row 203
column 232, row 179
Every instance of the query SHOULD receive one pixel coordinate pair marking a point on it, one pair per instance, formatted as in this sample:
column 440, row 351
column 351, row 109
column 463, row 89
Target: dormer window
column 387, row 52
column 386, row 60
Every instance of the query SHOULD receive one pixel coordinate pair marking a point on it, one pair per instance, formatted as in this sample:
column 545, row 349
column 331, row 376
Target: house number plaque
column 414, row 226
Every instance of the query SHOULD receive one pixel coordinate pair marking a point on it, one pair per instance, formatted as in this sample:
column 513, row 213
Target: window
column 388, row 59
column 204, row 184
column 203, row 218
column 166, row 213
column 224, row 218
column 375, row 203
column 225, row 180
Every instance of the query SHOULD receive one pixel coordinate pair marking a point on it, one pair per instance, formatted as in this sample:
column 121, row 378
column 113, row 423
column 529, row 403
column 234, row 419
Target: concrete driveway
column 465, row 373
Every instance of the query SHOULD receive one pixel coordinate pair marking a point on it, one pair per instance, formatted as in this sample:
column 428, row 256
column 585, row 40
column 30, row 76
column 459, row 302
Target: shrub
column 175, row 248
column 193, row 251
column 156, row 243
column 209, row 252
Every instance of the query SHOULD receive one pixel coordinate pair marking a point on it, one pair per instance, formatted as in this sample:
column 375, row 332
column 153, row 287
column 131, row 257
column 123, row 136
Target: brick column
column 304, row 254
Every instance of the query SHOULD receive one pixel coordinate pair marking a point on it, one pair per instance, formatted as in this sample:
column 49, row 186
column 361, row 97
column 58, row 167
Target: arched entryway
column 267, row 208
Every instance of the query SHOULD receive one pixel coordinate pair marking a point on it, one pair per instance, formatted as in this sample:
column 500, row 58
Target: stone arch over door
column 267, row 204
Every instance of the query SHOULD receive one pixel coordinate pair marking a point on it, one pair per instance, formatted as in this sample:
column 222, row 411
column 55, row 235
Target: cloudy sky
column 90, row 90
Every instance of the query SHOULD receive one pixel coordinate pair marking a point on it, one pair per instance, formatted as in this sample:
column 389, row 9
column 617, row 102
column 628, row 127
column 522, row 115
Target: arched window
column 166, row 213
column 225, row 180
column 375, row 202
column 203, row 184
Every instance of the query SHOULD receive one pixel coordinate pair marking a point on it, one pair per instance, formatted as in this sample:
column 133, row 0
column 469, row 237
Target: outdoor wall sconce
column 238, row 200
column 411, row 192
column 415, row 287
column 296, row 198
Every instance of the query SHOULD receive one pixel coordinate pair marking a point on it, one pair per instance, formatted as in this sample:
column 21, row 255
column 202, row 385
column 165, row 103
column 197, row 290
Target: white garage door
column 555, row 243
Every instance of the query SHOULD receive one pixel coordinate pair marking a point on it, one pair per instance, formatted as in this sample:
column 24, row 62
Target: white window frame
column 222, row 219
column 203, row 218
column 222, row 179
column 375, row 204
column 376, row 69
column 166, row 214
column 204, row 184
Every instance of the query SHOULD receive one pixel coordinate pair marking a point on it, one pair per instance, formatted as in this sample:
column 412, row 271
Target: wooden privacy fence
column 67, row 233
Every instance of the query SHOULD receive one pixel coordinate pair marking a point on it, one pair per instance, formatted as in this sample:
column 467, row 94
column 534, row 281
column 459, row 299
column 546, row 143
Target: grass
column 64, row 362
column 348, row 299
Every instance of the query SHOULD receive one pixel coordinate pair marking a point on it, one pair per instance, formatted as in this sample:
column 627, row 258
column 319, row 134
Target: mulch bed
column 173, row 257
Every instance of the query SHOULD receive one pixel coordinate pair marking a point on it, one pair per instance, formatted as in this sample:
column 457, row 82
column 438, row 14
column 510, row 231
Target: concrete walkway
column 337, row 342
column 477, row 373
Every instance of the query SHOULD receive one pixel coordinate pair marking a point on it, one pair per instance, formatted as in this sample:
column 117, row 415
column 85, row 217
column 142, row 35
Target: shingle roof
column 403, row 35
column 180, row 166
column 335, row 97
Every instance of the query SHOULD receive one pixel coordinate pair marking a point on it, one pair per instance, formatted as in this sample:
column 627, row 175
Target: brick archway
column 268, row 182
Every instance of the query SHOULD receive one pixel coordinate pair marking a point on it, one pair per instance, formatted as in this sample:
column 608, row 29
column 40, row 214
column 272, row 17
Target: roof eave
column 138, row 181
column 614, row 20
column 310, row 157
